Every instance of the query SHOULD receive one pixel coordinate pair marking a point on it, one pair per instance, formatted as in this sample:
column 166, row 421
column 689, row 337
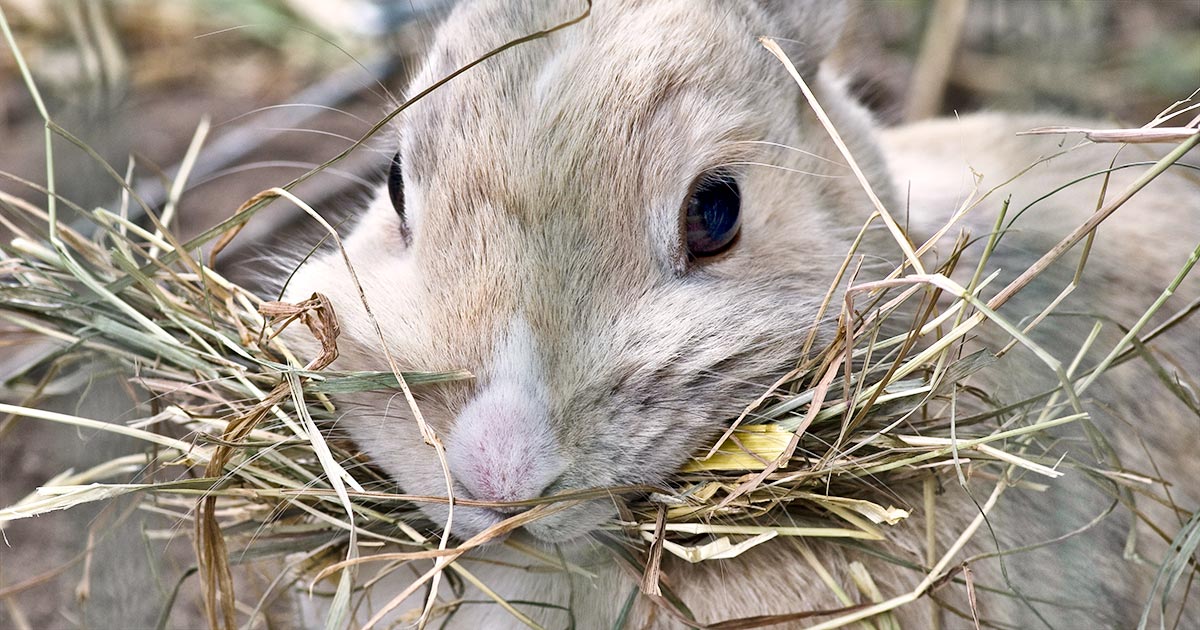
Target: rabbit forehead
column 583, row 102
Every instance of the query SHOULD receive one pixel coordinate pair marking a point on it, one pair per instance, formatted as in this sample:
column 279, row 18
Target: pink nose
column 500, row 473
column 502, row 447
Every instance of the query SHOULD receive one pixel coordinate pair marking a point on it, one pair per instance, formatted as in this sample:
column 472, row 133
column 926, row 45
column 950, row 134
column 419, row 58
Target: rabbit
column 624, row 230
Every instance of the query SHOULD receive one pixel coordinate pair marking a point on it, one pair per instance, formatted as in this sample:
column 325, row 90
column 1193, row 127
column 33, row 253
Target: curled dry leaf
column 318, row 315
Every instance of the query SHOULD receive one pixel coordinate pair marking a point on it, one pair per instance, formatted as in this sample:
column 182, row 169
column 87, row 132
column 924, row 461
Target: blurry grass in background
column 1086, row 57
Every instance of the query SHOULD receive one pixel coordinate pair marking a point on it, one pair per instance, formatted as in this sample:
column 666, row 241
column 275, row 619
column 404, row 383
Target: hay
column 233, row 421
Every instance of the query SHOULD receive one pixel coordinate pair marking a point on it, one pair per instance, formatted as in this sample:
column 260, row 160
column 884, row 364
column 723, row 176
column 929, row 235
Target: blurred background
column 287, row 84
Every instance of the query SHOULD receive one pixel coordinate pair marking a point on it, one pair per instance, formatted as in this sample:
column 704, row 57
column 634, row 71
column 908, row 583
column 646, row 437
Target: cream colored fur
column 542, row 193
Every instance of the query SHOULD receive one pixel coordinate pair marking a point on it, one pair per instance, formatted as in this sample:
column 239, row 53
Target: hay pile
column 235, row 435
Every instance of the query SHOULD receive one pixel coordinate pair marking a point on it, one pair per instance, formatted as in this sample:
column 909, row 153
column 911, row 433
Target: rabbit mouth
column 572, row 522
column 565, row 523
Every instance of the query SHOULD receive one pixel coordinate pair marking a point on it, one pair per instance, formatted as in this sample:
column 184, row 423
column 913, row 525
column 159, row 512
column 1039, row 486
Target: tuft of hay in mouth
column 236, row 438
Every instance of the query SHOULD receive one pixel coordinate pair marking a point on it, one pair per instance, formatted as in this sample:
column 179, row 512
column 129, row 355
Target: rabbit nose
column 502, row 447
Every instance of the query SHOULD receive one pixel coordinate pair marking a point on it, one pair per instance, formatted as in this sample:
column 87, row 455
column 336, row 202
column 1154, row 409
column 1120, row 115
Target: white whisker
column 795, row 149
column 782, row 168
column 279, row 164
column 330, row 134
column 258, row 110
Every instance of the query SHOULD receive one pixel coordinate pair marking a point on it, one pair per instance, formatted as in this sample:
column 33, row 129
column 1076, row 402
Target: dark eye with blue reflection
column 713, row 214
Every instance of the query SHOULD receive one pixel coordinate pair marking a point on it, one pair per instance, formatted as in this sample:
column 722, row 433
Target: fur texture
column 542, row 195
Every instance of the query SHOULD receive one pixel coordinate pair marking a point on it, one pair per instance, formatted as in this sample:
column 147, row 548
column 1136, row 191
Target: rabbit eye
column 395, row 184
column 713, row 214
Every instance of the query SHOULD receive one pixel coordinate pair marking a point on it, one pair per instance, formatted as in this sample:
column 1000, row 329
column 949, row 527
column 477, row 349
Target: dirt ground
column 1123, row 61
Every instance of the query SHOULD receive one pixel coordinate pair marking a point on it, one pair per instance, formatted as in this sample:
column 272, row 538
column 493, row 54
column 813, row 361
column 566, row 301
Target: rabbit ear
column 807, row 29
